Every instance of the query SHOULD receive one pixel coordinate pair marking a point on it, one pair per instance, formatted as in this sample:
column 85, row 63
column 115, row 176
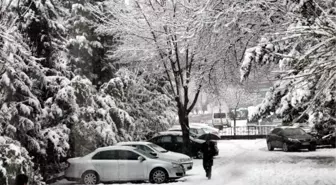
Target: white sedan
column 161, row 153
column 121, row 164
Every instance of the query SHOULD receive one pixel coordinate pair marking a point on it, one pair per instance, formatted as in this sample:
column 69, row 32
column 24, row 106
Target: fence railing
column 247, row 130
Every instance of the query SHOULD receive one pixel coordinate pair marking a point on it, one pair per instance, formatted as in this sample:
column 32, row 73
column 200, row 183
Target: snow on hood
column 174, row 157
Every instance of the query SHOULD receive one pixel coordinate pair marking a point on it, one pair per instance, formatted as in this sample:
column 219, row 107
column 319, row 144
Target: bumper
column 72, row 179
column 72, row 174
column 187, row 166
column 301, row 145
column 176, row 173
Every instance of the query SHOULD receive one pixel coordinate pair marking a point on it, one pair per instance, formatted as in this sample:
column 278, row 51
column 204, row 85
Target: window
column 105, row 155
column 144, row 148
column 293, row 132
column 276, row 131
column 179, row 139
column 201, row 131
column 165, row 139
column 158, row 148
column 146, row 154
column 193, row 130
column 219, row 115
column 153, row 140
column 128, row 155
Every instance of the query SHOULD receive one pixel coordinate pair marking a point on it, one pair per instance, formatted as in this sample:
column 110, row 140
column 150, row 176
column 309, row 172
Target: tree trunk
column 234, row 122
column 184, row 122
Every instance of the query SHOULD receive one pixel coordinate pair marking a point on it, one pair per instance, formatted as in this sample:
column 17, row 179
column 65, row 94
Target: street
column 242, row 162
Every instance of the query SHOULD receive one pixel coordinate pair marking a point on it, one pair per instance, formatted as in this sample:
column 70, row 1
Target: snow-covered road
column 247, row 162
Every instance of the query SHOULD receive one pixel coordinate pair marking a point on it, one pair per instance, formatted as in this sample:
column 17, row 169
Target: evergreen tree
column 305, row 90
column 88, row 49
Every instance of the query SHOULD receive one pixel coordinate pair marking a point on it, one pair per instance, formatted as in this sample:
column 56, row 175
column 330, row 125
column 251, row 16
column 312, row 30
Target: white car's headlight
column 182, row 160
column 176, row 165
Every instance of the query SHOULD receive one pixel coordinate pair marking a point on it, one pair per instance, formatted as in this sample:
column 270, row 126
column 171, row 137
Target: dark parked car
column 289, row 138
column 173, row 141
column 329, row 139
column 212, row 136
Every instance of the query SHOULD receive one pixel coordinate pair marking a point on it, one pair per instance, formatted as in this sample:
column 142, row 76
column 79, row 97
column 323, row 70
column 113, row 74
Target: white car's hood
column 174, row 157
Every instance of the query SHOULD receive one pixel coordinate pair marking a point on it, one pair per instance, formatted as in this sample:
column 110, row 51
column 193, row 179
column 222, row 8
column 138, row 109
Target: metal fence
column 258, row 130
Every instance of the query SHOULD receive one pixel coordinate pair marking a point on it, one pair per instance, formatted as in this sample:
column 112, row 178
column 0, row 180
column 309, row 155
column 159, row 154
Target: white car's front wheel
column 158, row 176
column 90, row 178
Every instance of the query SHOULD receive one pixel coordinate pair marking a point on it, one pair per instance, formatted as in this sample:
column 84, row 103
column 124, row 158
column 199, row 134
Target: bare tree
column 164, row 37
column 235, row 97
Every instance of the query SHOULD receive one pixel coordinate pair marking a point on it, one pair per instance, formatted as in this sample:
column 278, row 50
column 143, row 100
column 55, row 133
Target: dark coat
column 208, row 150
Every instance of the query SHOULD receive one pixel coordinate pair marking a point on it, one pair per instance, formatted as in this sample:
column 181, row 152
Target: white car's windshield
column 146, row 154
column 207, row 130
column 158, row 148
column 202, row 131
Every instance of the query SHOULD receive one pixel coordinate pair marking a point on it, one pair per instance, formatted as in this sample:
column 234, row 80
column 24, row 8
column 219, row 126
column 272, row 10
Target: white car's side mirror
column 141, row 159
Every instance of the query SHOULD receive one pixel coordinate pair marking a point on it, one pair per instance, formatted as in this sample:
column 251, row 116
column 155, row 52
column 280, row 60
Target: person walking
column 21, row 179
column 208, row 150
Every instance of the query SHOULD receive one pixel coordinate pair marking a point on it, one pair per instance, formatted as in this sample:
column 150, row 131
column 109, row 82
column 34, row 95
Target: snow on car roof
column 114, row 147
column 133, row 143
column 177, row 133
column 175, row 127
column 285, row 127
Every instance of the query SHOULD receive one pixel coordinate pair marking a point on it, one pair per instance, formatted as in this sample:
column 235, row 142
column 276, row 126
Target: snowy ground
column 243, row 162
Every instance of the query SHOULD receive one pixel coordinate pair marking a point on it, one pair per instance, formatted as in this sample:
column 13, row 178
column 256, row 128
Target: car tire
column 199, row 155
column 158, row 176
column 285, row 147
column 333, row 143
column 269, row 146
column 90, row 178
column 312, row 148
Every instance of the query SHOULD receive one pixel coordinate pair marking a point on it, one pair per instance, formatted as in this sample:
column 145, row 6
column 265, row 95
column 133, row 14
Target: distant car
column 328, row 139
column 207, row 128
column 121, row 164
column 289, row 138
column 195, row 131
column 161, row 153
column 173, row 141
column 198, row 131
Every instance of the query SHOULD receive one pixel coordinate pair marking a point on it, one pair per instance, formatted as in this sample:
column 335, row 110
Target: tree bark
column 184, row 122
column 234, row 121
